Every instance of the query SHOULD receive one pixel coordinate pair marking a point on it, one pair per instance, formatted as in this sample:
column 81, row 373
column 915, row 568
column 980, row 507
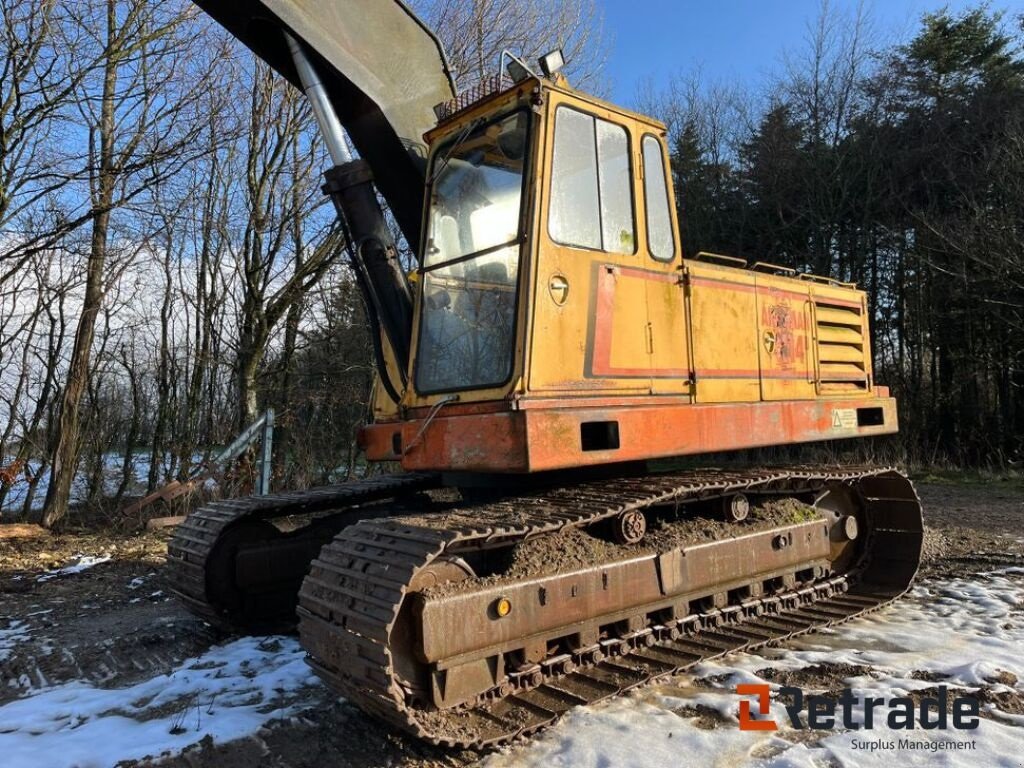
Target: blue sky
column 732, row 40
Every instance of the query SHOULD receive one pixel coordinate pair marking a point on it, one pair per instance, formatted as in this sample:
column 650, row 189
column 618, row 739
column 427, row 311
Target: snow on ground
column 967, row 631
column 13, row 502
column 227, row 693
column 83, row 563
column 16, row 632
column 964, row 633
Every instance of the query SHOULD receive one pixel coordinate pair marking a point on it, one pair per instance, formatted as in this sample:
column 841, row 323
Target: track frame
column 352, row 601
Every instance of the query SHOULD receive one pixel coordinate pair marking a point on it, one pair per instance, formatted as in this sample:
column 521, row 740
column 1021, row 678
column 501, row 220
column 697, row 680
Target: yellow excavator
column 552, row 341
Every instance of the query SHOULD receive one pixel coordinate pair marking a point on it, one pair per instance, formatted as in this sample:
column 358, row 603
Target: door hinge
column 650, row 339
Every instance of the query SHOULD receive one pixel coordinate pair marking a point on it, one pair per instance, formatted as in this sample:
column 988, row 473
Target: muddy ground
column 115, row 624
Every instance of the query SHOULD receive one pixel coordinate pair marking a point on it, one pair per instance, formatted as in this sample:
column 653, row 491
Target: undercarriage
column 470, row 622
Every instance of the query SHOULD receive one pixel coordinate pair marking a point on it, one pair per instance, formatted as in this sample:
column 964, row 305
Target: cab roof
column 465, row 108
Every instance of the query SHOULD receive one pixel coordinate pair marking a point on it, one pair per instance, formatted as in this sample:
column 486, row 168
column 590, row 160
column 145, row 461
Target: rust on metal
column 372, row 638
column 456, row 624
column 533, row 440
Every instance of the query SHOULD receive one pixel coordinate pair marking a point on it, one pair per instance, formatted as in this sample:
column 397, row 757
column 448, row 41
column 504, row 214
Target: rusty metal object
column 441, row 571
column 524, row 438
column 358, row 617
column 735, row 508
column 630, row 527
column 837, row 505
column 556, row 604
column 237, row 571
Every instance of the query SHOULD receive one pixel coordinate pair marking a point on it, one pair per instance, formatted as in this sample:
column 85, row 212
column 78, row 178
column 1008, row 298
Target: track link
column 351, row 602
column 197, row 564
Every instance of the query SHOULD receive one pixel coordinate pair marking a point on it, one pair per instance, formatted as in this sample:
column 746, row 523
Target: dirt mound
column 576, row 548
column 818, row 677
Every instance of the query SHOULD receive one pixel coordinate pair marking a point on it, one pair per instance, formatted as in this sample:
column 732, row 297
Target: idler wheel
column 842, row 510
column 411, row 673
column 630, row 527
column 441, row 571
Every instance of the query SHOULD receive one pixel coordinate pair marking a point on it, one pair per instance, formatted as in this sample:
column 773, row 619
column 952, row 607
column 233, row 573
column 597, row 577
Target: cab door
column 590, row 324
column 668, row 337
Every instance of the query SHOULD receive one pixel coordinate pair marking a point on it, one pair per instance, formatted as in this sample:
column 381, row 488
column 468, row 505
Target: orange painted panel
column 550, row 438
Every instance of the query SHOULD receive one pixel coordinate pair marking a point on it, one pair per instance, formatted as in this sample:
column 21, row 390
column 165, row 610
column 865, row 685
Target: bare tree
column 139, row 131
column 279, row 188
column 475, row 32
column 43, row 64
column 204, row 284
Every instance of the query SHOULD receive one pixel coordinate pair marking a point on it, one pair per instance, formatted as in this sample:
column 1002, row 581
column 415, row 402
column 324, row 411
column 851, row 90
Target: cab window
column 591, row 203
column 659, row 219
column 471, row 261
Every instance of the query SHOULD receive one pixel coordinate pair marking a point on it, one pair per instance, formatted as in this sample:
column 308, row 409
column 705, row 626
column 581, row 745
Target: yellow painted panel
column 627, row 326
column 560, row 331
column 837, row 335
column 666, row 313
column 723, row 317
column 839, row 316
column 830, row 370
column 785, row 338
column 845, row 353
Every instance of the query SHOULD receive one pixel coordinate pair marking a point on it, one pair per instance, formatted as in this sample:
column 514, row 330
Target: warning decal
column 844, row 418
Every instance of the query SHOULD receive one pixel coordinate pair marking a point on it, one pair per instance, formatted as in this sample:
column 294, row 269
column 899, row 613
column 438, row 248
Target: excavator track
column 355, row 605
column 204, row 553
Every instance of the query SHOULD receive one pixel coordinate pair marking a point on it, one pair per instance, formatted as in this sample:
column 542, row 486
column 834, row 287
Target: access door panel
column 784, row 339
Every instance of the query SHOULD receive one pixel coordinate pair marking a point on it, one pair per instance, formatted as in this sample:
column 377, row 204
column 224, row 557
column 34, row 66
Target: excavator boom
column 382, row 68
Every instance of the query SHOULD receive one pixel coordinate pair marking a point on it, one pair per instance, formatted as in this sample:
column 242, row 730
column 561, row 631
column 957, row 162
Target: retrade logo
column 817, row 712
column 764, row 695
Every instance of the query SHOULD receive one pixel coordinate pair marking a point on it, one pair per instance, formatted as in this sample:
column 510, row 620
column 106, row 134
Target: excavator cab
column 528, row 190
column 536, row 197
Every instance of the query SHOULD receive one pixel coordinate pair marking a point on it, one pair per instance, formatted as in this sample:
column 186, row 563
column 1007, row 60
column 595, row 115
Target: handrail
column 827, row 280
column 702, row 255
column 767, row 266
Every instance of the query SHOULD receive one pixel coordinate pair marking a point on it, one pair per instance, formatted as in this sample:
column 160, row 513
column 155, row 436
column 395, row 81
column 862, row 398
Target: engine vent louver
column 842, row 348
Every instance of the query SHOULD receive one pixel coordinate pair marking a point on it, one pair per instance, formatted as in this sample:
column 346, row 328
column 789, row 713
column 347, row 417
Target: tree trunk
column 66, row 450
column 163, row 407
column 248, row 365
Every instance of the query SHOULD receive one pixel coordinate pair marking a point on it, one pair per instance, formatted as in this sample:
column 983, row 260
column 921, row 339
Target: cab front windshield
column 471, row 262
